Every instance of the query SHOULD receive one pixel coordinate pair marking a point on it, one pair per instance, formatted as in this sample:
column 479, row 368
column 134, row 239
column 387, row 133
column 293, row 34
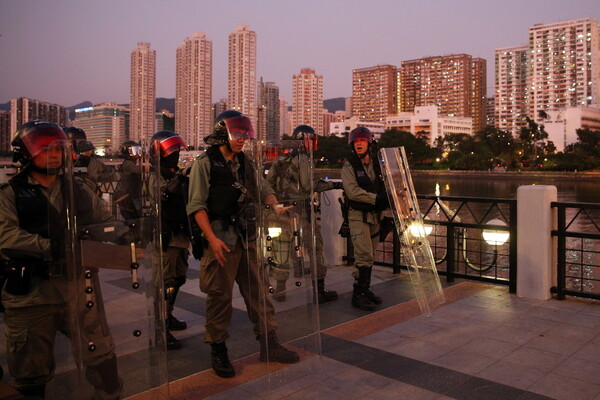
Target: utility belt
column 19, row 272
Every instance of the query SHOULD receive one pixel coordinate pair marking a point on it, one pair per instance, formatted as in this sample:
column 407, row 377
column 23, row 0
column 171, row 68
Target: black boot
column 173, row 323
column 324, row 294
column 220, row 360
column 272, row 351
column 360, row 299
column 366, row 271
column 172, row 342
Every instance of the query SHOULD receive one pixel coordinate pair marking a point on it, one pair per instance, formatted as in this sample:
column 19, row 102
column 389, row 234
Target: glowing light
column 494, row 237
column 274, row 231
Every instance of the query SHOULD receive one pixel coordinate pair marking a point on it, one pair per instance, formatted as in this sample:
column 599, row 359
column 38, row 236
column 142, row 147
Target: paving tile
column 576, row 333
column 476, row 389
column 565, row 388
column 590, row 352
column 489, row 347
column 555, row 344
column 382, row 340
column 420, row 350
column 511, row 334
column 400, row 390
column 579, row 369
column 363, row 382
column 535, row 358
column 511, row 374
column 464, row 361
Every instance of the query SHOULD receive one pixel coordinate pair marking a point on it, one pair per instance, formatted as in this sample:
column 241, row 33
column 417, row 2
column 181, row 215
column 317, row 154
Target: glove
column 381, row 202
column 338, row 185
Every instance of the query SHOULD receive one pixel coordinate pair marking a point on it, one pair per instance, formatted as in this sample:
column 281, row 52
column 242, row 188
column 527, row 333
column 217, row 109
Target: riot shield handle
column 134, row 267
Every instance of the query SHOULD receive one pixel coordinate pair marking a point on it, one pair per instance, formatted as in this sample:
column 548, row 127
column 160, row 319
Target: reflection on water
column 584, row 190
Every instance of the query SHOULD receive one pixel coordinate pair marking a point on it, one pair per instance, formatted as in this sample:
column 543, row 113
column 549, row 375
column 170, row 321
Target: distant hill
column 165, row 104
column 336, row 104
column 72, row 109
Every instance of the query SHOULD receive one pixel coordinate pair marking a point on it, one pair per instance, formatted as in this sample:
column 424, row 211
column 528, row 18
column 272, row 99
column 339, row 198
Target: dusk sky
column 69, row 51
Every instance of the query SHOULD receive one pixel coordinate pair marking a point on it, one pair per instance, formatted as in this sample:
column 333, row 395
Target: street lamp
column 494, row 237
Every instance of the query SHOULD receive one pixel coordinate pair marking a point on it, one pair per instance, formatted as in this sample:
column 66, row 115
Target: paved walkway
column 483, row 343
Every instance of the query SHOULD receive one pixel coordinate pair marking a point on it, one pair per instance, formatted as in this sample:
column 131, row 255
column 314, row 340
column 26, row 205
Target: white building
column 511, row 104
column 105, row 125
column 241, row 82
column 193, row 90
column 426, row 123
column 562, row 125
column 142, row 123
column 307, row 99
column 565, row 64
column 343, row 127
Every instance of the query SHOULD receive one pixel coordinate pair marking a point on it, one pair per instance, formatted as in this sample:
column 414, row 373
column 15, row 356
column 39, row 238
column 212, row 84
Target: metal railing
column 578, row 250
column 458, row 225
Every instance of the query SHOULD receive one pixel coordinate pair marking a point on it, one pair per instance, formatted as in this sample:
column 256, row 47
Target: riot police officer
column 128, row 193
column 164, row 156
column 367, row 198
column 216, row 181
column 289, row 178
column 94, row 171
column 38, row 296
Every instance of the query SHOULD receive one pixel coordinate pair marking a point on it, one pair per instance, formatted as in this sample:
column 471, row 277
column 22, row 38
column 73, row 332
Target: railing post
column 562, row 244
column 451, row 252
column 535, row 275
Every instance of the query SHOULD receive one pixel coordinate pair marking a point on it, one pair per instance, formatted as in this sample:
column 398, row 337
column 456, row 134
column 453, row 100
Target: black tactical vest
column 365, row 182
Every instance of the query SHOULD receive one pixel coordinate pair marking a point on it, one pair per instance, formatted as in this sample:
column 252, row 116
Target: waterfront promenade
column 483, row 343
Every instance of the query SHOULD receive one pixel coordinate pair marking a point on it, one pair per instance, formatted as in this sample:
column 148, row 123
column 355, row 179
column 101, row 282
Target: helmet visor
column 170, row 145
column 135, row 150
column 311, row 141
column 40, row 140
column 239, row 128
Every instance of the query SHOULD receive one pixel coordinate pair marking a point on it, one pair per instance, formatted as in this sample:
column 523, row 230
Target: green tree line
column 485, row 150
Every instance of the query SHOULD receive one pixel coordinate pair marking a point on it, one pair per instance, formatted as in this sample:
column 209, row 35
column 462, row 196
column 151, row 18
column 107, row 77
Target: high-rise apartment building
column 268, row 100
column 143, row 93
column 241, row 78
column 511, row 104
column 193, row 90
column 564, row 64
column 23, row 110
column 374, row 93
column 106, row 125
column 307, row 99
column 284, row 119
column 5, row 133
column 455, row 83
column 557, row 69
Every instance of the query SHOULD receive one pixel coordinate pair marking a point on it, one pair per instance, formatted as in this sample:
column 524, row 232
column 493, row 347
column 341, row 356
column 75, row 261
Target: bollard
column 536, row 272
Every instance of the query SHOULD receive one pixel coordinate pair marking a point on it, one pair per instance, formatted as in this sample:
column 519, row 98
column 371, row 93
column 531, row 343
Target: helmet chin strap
column 45, row 171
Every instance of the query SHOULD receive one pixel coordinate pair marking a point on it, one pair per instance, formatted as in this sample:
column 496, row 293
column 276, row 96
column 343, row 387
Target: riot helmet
column 131, row 149
column 360, row 133
column 36, row 136
column 84, row 145
column 166, row 145
column 230, row 125
column 306, row 133
column 75, row 135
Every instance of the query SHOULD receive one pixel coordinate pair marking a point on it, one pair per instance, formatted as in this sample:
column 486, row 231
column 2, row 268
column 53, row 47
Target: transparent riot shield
column 411, row 231
column 113, row 309
column 286, row 254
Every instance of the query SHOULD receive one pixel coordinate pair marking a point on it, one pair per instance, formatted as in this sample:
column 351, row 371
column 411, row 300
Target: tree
column 417, row 150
